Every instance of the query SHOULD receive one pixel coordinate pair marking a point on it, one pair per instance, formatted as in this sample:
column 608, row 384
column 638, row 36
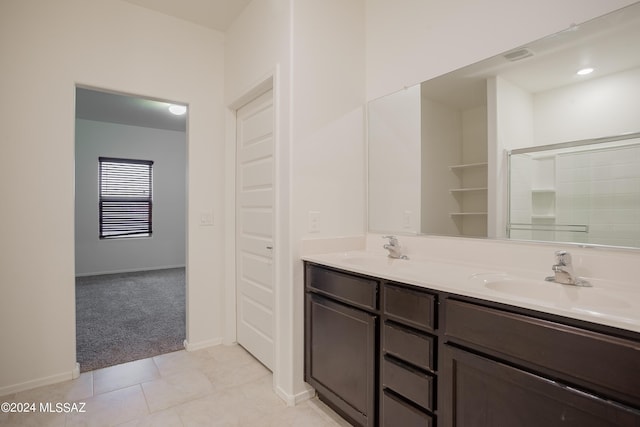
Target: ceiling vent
column 519, row 54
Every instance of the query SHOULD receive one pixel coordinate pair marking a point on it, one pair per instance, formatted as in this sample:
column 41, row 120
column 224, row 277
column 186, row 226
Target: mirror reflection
column 582, row 192
column 438, row 151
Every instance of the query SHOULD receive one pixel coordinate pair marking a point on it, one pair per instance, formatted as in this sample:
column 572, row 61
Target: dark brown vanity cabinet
column 389, row 354
column 408, row 356
column 341, row 333
column 503, row 369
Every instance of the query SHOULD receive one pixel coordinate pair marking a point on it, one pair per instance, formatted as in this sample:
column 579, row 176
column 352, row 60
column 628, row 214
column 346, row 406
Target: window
column 125, row 197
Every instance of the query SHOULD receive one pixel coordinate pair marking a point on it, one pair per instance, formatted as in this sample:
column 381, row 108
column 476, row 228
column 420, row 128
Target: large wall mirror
column 539, row 143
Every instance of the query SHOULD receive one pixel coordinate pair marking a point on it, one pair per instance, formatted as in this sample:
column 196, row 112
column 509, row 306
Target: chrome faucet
column 394, row 248
column 563, row 271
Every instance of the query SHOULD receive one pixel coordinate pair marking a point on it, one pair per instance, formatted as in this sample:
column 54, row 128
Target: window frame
column 129, row 205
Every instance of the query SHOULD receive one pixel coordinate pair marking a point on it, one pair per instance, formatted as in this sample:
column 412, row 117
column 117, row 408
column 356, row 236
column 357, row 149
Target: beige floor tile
column 179, row 361
column 7, row 397
column 219, row 386
column 68, row 391
column 33, row 419
column 175, row 389
column 323, row 409
column 112, row 408
column 124, row 375
column 302, row 415
column 226, row 375
column 261, row 393
column 231, row 355
column 226, row 408
column 167, row 418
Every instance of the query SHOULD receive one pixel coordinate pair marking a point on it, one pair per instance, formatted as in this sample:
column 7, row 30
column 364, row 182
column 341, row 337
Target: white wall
column 315, row 51
column 511, row 122
column 48, row 48
column 327, row 119
column 442, row 137
column 599, row 107
column 394, row 159
column 257, row 48
column 166, row 247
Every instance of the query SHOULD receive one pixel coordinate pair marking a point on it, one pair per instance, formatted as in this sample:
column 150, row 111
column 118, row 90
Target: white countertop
column 605, row 303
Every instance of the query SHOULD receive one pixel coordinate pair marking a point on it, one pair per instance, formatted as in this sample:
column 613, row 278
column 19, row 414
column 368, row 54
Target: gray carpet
column 129, row 316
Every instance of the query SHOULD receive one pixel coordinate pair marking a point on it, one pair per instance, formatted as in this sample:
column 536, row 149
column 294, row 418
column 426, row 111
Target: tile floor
column 218, row 386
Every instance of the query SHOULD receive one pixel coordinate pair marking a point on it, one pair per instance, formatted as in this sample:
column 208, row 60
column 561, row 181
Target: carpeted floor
column 129, row 316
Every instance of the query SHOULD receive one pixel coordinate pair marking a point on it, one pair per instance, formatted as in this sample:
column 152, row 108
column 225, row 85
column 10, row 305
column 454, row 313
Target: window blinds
column 125, row 197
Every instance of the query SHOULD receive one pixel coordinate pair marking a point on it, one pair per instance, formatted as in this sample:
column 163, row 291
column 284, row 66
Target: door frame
column 79, row 85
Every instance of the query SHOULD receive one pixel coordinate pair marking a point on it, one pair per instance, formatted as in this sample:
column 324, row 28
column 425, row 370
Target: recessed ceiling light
column 178, row 110
column 584, row 71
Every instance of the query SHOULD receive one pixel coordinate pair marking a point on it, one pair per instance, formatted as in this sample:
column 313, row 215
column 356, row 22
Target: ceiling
column 127, row 110
column 214, row 14
column 609, row 44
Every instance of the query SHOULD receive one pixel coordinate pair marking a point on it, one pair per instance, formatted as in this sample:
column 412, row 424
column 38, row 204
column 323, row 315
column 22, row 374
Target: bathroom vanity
column 388, row 352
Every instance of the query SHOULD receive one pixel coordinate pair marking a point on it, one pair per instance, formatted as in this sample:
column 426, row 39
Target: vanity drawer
column 571, row 353
column 408, row 345
column 414, row 308
column 409, row 383
column 352, row 289
column 395, row 412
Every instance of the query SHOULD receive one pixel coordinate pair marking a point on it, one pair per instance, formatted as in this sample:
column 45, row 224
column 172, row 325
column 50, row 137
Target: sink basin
column 590, row 298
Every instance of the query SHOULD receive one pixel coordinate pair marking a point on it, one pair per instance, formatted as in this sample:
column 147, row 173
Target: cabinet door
column 480, row 392
column 340, row 352
column 606, row 364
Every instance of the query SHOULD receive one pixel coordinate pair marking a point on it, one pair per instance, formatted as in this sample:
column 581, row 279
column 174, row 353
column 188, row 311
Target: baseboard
column 39, row 382
column 129, row 270
column 294, row 399
column 76, row 371
column 202, row 344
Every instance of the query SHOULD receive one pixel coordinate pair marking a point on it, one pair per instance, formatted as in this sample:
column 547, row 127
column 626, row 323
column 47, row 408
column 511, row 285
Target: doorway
column 130, row 227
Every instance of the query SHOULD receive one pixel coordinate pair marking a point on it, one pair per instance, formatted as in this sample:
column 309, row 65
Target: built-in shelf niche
column 454, row 167
column 543, row 203
column 472, row 192
column 470, row 195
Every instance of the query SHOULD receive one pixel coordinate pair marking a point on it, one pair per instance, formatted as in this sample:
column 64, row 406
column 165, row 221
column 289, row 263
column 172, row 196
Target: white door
column 254, row 232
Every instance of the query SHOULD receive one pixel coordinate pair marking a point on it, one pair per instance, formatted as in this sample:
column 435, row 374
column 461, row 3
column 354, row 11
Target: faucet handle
column 563, row 257
column 393, row 240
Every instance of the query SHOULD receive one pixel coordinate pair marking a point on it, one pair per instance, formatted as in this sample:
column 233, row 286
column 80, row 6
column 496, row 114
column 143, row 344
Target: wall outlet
column 314, row 222
column 406, row 219
column 206, row 218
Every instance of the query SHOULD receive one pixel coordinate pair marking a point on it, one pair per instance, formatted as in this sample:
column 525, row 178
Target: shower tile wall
column 601, row 189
